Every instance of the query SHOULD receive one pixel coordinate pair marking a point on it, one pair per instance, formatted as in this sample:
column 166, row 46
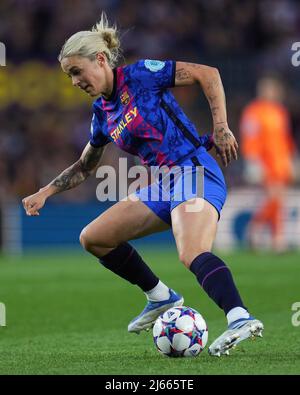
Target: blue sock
column 127, row 263
column 216, row 280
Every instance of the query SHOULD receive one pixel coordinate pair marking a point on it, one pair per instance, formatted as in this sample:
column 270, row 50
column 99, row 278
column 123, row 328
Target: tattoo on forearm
column 70, row 178
column 213, row 86
column 92, row 158
column 79, row 171
column 214, row 110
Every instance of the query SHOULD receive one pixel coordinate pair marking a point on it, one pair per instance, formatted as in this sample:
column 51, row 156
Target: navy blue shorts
column 186, row 181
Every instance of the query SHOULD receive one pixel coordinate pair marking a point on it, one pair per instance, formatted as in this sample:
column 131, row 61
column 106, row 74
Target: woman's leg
column 106, row 238
column 270, row 214
column 126, row 220
column 194, row 234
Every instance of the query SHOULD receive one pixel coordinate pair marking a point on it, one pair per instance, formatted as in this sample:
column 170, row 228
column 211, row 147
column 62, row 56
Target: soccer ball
column 180, row 332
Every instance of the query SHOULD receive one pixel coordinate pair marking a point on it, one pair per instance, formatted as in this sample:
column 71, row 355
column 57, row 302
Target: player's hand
column 225, row 144
column 33, row 203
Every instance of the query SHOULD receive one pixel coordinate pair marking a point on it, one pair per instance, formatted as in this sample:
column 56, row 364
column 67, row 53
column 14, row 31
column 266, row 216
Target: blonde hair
column 102, row 38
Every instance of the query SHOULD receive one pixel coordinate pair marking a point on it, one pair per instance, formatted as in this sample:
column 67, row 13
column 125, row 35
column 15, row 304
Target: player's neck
column 110, row 77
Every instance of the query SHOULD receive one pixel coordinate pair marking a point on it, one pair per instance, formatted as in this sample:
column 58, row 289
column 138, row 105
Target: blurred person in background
column 268, row 149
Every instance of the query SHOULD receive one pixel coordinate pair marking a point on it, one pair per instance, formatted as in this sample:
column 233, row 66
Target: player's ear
column 100, row 57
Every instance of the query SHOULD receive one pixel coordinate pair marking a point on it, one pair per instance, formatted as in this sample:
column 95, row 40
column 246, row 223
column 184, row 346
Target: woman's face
column 88, row 75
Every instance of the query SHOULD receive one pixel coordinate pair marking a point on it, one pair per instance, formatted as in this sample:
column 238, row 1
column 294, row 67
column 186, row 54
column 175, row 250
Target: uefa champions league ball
column 180, row 332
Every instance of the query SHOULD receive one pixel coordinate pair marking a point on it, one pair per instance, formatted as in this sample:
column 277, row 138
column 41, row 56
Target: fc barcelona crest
column 125, row 98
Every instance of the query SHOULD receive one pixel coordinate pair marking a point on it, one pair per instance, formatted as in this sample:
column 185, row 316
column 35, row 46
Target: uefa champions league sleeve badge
column 154, row 65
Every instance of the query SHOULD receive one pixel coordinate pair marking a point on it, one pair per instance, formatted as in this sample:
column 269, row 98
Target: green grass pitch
column 67, row 315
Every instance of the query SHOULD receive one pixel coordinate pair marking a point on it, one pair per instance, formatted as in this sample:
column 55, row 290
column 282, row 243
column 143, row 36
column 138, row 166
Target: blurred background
column 45, row 122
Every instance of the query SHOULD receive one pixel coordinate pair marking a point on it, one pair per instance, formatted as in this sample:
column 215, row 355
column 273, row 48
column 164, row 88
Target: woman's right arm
column 68, row 179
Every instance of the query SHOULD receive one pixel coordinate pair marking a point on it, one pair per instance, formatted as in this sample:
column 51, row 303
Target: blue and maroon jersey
column 143, row 118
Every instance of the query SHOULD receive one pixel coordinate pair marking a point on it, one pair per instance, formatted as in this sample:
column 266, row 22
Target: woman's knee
column 85, row 239
column 89, row 242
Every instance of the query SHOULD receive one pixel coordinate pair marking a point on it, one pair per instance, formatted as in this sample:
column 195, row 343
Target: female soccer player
column 136, row 111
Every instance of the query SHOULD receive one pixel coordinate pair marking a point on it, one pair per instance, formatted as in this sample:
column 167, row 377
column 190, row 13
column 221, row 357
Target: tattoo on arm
column 211, row 83
column 214, row 110
column 222, row 137
column 195, row 65
column 215, row 94
column 91, row 158
column 79, row 171
column 182, row 75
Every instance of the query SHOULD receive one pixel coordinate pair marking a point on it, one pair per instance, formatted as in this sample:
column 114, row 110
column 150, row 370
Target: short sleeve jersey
column 142, row 116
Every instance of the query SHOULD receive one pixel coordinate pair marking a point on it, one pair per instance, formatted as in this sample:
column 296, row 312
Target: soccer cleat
column 148, row 316
column 237, row 331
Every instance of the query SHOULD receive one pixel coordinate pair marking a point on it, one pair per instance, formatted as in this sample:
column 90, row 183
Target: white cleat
column 237, row 331
column 151, row 312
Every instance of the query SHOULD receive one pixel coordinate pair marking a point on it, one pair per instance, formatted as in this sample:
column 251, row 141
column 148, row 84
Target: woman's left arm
column 211, row 83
